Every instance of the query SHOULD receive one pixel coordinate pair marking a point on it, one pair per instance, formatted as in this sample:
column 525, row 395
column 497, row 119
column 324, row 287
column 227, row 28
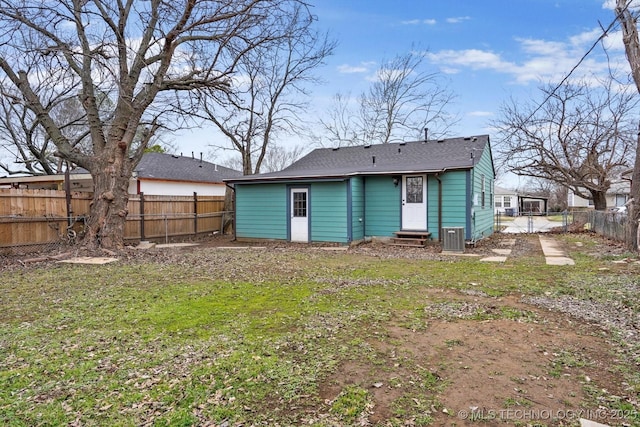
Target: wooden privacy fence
column 38, row 217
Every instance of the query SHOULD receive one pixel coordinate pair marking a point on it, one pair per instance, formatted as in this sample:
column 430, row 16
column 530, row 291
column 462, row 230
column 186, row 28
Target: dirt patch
column 540, row 368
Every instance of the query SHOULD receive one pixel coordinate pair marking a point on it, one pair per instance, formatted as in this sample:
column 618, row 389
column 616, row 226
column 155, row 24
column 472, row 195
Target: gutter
column 259, row 179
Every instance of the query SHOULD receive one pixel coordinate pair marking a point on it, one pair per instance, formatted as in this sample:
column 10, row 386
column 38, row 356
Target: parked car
column 619, row 210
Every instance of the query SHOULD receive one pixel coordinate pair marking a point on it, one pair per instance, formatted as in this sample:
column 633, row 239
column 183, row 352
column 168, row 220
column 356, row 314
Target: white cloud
column 354, row 69
column 419, row 21
column 611, row 4
column 472, row 58
column 540, row 60
column 480, row 114
column 458, row 19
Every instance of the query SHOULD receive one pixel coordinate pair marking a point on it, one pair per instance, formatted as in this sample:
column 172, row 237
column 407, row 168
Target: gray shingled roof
column 180, row 168
column 409, row 157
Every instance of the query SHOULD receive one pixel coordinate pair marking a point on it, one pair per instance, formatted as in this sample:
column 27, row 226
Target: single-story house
column 157, row 174
column 506, row 201
column 348, row 194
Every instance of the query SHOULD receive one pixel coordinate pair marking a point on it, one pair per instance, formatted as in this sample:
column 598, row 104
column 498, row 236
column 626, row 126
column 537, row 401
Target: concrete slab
column 589, row 423
column 558, row 260
column 494, row 259
column 241, row 247
column 553, row 254
column 501, row 251
column 550, row 247
column 89, row 260
column 508, row 242
column 145, row 245
column 458, row 254
column 529, row 224
column 176, row 245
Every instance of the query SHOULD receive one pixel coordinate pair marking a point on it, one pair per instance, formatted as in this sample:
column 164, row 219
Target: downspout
column 235, row 236
column 437, row 175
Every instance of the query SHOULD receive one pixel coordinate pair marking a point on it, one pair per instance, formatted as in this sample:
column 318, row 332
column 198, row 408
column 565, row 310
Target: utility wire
column 604, row 34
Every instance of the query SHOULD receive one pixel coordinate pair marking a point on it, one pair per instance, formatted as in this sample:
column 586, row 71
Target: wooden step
column 409, row 241
column 420, row 234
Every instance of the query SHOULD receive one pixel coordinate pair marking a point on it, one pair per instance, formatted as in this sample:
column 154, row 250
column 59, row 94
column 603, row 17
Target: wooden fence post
column 195, row 213
column 141, row 215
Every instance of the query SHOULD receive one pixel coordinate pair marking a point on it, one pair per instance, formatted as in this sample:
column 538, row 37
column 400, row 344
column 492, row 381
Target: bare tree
column 270, row 91
column 22, row 135
column 341, row 127
column 400, row 103
column 279, row 157
column 137, row 53
column 580, row 138
column 628, row 22
column 276, row 159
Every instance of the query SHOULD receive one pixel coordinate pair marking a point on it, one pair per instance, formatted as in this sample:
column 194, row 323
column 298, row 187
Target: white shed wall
column 169, row 188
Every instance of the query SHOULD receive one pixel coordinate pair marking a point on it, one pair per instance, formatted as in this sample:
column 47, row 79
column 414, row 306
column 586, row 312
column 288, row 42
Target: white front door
column 299, row 215
column 414, row 202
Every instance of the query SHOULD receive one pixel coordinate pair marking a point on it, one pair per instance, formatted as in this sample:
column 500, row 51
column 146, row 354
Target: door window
column 414, row 189
column 300, row 204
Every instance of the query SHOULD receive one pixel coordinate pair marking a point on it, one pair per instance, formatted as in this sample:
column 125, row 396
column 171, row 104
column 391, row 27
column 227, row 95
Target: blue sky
column 489, row 50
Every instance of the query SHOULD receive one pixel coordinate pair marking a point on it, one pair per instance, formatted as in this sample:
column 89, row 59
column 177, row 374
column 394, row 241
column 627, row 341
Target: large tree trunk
column 105, row 227
column 633, row 214
column 631, row 41
column 599, row 200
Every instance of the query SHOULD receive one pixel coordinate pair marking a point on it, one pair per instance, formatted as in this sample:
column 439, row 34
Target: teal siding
column 382, row 206
column 357, row 208
column 329, row 213
column 367, row 206
column 261, row 211
column 454, row 201
column 482, row 220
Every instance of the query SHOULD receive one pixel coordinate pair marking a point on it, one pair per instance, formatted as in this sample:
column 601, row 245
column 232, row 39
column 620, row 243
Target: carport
column 533, row 205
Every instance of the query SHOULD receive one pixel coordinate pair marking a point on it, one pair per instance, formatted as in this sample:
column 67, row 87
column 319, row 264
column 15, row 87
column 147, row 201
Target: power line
column 604, row 34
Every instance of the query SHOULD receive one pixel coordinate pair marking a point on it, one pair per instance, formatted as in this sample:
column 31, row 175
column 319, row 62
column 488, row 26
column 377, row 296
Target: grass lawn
column 302, row 336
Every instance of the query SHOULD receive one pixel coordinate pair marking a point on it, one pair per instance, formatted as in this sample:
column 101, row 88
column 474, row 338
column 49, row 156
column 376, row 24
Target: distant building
column 506, row 201
column 157, row 174
column 617, row 196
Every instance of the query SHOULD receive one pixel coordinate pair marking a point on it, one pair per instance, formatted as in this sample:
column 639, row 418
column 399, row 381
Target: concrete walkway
column 529, row 224
column 501, row 254
column 552, row 253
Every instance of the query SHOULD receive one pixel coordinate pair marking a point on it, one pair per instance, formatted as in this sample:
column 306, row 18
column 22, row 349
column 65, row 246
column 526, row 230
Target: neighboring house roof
column 156, row 166
column 622, row 186
column 504, row 191
column 409, row 157
column 169, row 167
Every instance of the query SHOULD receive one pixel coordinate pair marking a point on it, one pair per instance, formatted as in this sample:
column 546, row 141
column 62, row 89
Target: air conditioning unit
column 453, row 239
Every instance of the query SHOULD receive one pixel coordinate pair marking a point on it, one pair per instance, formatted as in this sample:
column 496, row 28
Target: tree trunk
column 105, row 227
column 631, row 41
column 633, row 208
column 599, row 200
column 228, row 225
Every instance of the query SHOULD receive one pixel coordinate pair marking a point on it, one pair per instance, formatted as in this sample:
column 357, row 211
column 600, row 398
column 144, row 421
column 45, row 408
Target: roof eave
column 247, row 179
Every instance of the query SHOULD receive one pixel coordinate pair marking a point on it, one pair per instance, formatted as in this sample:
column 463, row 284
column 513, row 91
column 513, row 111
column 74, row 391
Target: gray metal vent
column 453, row 239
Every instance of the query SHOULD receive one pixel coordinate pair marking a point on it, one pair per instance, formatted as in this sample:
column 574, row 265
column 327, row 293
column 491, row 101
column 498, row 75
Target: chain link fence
column 612, row 225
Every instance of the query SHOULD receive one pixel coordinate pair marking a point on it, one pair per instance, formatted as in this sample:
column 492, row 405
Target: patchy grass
column 209, row 337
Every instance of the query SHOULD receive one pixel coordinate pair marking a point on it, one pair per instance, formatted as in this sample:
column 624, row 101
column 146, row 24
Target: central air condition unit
column 453, row 239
